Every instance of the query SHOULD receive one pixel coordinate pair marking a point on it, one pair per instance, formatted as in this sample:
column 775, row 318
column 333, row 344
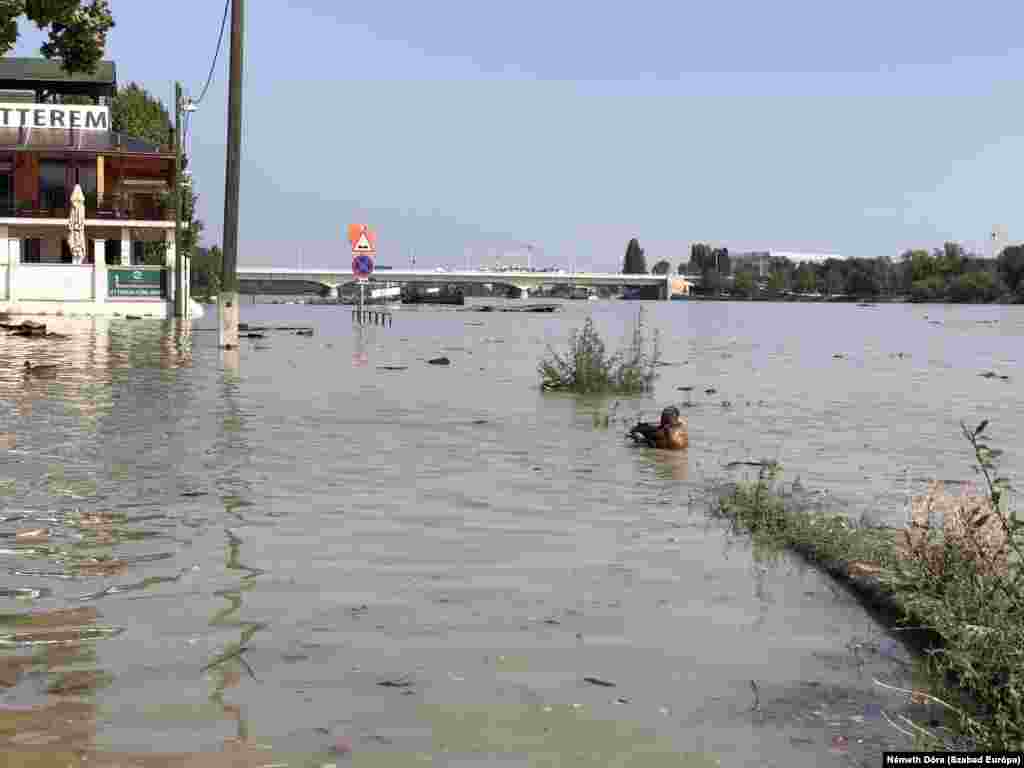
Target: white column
column 13, row 263
column 170, row 251
column 5, row 263
column 126, row 247
column 99, row 272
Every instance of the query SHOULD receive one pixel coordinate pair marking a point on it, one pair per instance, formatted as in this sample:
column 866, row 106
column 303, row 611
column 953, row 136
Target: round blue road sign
column 362, row 265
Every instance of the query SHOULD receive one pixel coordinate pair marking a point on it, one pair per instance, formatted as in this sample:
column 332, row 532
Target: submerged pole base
column 227, row 320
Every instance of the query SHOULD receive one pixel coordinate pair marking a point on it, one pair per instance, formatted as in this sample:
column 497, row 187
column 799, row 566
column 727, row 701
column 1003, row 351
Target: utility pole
column 228, row 300
column 179, row 294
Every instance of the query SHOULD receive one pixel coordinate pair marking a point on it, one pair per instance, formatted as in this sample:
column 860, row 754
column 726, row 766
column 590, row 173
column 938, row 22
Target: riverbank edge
column 858, row 570
column 866, row 560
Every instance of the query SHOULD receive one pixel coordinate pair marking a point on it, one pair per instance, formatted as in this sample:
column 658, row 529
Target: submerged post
column 227, row 304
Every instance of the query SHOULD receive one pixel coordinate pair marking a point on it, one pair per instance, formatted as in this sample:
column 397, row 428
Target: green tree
column 711, row 283
column 1011, row 268
column 804, row 279
column 776, row 284
column 634, row 264
column 722, row 261
column 834, row 282
column 700, row 257
column 77, row 29
column 744, row 284
column 661, row 268
column 974, row 286
column 136, row 112
column 206, row 272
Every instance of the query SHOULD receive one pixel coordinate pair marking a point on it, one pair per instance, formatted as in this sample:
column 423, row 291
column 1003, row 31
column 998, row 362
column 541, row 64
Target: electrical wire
column 216, row 53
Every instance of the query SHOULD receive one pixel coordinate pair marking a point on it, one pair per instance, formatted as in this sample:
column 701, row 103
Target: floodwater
column 288, row 556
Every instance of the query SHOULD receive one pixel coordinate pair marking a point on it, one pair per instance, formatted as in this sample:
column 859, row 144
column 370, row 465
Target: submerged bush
column 589, row 369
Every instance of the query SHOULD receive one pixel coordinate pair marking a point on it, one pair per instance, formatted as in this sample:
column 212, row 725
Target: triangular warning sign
column 362, row 245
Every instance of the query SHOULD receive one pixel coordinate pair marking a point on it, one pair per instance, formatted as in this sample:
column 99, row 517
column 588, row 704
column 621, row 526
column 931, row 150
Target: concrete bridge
column 524, row 281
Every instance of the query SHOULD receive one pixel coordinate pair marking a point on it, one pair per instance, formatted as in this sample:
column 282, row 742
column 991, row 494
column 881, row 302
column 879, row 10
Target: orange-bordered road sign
column 362, row 238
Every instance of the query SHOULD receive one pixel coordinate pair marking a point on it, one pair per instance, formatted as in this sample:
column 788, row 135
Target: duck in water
column 670, row 434
column 29, row 368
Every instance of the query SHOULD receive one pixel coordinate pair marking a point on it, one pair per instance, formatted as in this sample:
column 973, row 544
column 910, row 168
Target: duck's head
column 670, row 416
column 28, row 366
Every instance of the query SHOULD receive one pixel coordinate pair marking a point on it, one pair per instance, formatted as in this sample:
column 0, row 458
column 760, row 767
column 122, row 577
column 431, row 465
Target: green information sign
column 148, row 283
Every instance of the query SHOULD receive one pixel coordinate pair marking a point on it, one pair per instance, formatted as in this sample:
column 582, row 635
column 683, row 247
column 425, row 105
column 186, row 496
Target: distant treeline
column 949, row 273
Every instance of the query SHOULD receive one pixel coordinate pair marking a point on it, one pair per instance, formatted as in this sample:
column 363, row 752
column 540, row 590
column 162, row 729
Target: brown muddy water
column 287, row 556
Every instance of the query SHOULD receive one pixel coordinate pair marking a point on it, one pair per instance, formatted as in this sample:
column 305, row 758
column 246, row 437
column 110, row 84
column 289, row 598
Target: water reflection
column 360, row 355
column 50, row 675
column 667, row 465
column 90, row 356
column 226, row 668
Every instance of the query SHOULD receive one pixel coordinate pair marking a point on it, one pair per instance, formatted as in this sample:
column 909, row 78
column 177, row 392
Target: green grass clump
column 589, row 369
column 968, row 596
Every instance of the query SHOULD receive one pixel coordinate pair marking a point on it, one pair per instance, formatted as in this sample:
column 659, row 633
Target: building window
column 138, row 252
column 6, row 190
column 114, row 252
column 85, row 177
column 53, row 190
column 31, row 250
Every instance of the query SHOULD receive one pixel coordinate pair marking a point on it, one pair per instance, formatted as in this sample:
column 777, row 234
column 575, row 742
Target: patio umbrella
column 76, row 225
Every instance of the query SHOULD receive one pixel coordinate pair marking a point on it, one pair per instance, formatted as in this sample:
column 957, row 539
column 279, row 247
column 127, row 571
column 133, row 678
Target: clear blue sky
column 860, row 129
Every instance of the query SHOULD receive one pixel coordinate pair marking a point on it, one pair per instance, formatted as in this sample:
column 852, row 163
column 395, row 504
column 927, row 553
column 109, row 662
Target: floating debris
column 440, row 361
column 599, row 681
column 392, row 367
column 399, row 682
column 19, row 593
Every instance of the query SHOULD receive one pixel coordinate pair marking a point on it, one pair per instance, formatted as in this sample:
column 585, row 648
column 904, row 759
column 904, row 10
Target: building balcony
column 112, row 207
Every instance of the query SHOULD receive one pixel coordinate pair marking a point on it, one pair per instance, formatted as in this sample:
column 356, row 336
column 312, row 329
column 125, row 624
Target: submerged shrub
column 589, row 369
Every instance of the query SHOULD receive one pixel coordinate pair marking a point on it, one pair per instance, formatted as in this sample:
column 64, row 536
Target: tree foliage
column 949, row 273
column 77, row 29
column 206, row 272
column 136, row 112
column 744, row 285
column 634, row 263
column 1011, row 269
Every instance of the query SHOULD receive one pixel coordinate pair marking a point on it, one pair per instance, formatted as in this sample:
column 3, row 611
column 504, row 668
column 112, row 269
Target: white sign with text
column 82, row 118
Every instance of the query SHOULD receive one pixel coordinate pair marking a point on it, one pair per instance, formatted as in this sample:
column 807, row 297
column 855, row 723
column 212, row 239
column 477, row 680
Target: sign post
column 364, row 246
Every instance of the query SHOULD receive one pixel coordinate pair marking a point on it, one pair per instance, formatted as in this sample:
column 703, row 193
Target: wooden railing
column 116, row 207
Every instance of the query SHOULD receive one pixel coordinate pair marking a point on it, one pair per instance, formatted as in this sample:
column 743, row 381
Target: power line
column 216, row 53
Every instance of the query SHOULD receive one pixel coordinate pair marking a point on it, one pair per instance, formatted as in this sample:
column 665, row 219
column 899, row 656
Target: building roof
column 45, row 75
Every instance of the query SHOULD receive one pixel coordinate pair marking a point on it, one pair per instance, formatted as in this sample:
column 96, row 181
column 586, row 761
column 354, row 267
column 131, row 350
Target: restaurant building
column 51, row 149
